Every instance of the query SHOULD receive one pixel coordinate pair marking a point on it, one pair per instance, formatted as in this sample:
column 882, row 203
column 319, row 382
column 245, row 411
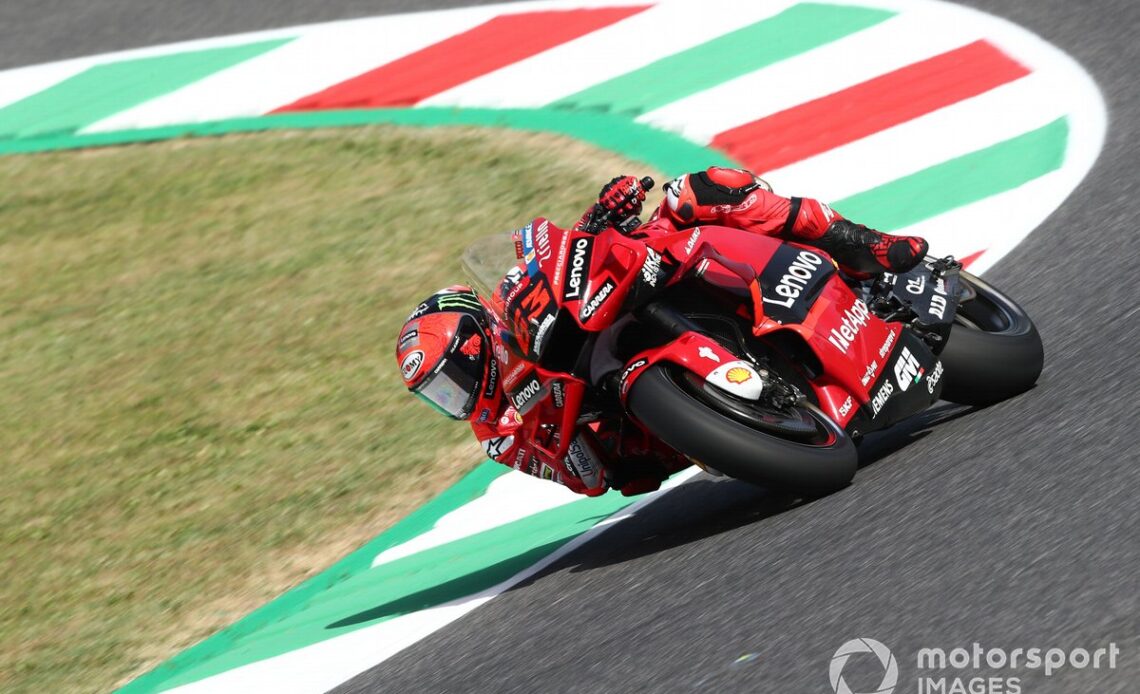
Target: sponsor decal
column 881, row 397
column 934, row 377
column 907, row 370
column 526, row 392
column 530, row 255
column 496, row 447
column 916, row 285
column 579, row 266
column 869, row 373
column 492, row 378
column 828, row 213
column 846, row 406
column 629, row 371
column 561, row 264
column 513, row 377
column 547, row 472
column 484, row 415
column 558, row 394
column 708, row 353
column 651, row 268
column 854, row 320
column 597, row 300
column 410, row 338
column 582, row 462
column 411, row 364
column 885, row 349
column 540, row 335
column 693, row 240
column 728, row 209
column 542, row 241
column 800, row 271
column 418, row 311
column 737, row 375
column 459, row 300
column 519, row 457
column 510, row 418
column 532, row 466
column 938, row 300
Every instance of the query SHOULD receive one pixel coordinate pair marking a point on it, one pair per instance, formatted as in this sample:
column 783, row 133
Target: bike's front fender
column 704, row 357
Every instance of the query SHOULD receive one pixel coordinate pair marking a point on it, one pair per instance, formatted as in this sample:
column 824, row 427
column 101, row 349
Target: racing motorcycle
column 752, row 357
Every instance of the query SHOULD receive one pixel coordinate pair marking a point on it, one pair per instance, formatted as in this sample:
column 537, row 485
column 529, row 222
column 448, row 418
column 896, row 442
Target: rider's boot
column 864, row 250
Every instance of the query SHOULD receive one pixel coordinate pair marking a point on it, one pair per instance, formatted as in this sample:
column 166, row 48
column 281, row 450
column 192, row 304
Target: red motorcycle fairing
column 796, row 288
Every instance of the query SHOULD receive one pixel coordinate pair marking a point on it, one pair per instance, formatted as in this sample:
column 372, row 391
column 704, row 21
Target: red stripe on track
column 865, row 109
column 492, row 45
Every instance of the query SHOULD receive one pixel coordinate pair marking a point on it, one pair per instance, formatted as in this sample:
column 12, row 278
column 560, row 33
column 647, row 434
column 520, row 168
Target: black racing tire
column 994, row 351
column 664, row 401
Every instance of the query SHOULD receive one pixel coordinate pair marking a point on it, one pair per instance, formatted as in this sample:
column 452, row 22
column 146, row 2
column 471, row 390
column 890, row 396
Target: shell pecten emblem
column 738, row 375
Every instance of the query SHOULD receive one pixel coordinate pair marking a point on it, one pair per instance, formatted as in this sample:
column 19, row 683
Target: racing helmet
column 444, row 351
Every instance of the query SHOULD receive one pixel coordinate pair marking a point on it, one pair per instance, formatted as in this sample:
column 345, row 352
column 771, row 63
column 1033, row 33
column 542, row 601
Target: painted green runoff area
column 104, row 90
column 796, row 30
column 358, row 596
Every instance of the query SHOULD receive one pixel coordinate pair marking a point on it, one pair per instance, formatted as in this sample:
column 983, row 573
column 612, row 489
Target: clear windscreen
column 487, row 261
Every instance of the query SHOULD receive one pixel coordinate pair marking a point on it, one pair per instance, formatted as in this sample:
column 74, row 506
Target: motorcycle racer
column 446, row 359
column 445, row 349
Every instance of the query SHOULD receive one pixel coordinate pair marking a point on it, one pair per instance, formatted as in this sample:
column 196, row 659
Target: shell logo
column 738, row 374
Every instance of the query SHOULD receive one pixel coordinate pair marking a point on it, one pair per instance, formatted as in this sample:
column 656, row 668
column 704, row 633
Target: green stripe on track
column 468, row 489
column 796, row 30
column 665, row 151
column 962, row 180
column 104, row 90
column 428, row 578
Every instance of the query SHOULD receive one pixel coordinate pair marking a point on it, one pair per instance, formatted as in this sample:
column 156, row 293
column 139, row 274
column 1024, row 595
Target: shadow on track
column 705, row 508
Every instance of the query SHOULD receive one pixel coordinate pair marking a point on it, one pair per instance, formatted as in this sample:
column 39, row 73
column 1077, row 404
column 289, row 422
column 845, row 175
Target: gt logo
column 907, row 370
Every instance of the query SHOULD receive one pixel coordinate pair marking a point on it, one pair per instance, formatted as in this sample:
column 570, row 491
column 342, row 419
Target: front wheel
column 796, row 449
column 994, row 351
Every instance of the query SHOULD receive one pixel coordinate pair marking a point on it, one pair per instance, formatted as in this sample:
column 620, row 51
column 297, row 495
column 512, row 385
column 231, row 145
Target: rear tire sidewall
column 986, row 366
column 697, row 430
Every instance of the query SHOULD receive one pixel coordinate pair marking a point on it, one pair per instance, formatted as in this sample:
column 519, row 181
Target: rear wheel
column 795, row 448
column 994, row 351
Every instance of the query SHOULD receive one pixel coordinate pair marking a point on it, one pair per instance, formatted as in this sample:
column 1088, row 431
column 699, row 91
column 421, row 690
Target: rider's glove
column 622, row 197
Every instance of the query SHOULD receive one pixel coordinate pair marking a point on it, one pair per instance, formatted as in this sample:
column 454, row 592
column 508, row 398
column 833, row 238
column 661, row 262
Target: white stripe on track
column 24, row 82
column 967, row 126
column 825, row 70
column 315, row 61
column 322, row 666
column 631, row 44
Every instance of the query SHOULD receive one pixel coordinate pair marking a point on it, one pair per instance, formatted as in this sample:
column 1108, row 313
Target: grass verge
column 200, row 402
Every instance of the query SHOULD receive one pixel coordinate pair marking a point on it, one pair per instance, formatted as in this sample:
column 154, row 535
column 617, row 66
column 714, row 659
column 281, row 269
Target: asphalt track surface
column 1013, row 526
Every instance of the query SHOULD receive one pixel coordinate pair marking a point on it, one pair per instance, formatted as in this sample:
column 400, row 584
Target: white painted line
column 324, row 665
column 967, row 126
column 319, row 59
column 631, row 44
column 828, row 69
column 509, row 498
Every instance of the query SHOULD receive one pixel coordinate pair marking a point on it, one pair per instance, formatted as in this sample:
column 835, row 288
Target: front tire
column 799, row 449
column 994, row 351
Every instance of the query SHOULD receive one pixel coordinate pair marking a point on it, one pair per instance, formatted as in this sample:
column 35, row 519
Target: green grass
column 200, row 403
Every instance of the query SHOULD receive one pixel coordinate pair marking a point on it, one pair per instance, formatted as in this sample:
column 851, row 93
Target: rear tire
column 994, row 351
column 800, row 450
